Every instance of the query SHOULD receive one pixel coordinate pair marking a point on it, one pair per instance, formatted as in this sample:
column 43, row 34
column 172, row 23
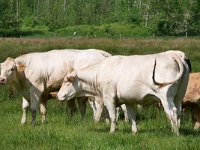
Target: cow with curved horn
column 132, row 80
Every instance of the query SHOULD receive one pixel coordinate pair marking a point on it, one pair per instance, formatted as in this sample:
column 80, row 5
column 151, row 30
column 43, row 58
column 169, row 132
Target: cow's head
column 69, row 88
column 9, row 70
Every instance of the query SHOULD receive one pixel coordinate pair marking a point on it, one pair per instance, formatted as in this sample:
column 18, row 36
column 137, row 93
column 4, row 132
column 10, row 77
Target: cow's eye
column 12, row 69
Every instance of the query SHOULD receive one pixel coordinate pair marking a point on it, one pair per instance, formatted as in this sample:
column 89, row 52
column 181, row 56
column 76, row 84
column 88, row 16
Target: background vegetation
column 99, row 18
column 63, row 132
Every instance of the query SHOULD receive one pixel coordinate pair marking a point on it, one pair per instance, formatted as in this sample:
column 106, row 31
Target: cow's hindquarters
column 170, row 109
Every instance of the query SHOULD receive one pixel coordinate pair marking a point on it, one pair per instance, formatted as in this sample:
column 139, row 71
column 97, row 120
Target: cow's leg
column 93, row 106
column 25, row 105
column 82, row 105
column 171, row 111
column 117, row 113
column 179, row 97
column 181, row 90
column 110, row 105
column 186, row 113
column 105, row 115
column 97, row 106
column 196, row 117
column 43, row 104
column 35, row 96
column 71, row 106
column 131, row 111
column 125, row 112
column 98, row 110
column 178, row 106
column 197, row 124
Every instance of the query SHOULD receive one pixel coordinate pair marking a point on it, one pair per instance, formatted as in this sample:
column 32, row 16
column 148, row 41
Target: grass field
column 64, row 132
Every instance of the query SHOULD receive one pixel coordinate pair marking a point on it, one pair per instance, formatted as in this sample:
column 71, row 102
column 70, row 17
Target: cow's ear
column 21, row 67
column 72, row 76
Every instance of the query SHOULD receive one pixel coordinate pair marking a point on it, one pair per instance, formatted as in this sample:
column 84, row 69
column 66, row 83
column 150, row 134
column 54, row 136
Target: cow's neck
column 20, row 82
column 88, row 82
column 22, row 59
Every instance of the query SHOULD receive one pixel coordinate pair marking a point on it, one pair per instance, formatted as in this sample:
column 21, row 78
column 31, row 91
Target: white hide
column 132, row 80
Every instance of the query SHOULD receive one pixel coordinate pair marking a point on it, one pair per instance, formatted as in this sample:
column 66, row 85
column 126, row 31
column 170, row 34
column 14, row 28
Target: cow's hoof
column 134, row 133
column 23, row 123
column 107, row 121
column 197, row 126
column 32, row 124
column 96, row 121
column 112, row 131
column 44, row 122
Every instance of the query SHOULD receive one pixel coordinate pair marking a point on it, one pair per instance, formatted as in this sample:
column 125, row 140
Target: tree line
column 161, row 17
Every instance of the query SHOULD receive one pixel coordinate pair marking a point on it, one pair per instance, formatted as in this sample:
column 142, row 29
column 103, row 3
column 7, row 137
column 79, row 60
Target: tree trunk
column 47, row 7
column 147, row 15
column 17, row 15
column 38, row 7
column 64, row 5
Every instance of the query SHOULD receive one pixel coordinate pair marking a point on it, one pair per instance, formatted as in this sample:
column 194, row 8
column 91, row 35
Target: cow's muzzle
column 53, row 94
column 61, row 98
column 2, row 81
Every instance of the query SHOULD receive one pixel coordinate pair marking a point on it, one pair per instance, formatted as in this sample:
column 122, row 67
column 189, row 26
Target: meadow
column 65, row 132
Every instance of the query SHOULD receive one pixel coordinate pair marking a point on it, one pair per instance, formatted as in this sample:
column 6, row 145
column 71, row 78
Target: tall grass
column 12, row 47
column 64, row 132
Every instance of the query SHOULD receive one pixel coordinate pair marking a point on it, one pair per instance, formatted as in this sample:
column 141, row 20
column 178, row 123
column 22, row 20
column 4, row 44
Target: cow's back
column 126, row 73
column 50, row 67
column 137, row 67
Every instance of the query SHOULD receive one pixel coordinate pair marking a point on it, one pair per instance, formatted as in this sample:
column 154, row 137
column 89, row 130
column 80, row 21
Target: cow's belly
column 145, row 100
column 138, row 94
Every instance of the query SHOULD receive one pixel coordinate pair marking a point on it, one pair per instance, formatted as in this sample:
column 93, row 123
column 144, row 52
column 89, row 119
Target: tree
column 9, row 18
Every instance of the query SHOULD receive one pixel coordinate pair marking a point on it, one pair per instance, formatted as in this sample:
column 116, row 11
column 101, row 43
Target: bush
column 114, row 30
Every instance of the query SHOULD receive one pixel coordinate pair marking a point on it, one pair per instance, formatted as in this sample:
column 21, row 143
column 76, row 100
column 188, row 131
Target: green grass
column 64, row 132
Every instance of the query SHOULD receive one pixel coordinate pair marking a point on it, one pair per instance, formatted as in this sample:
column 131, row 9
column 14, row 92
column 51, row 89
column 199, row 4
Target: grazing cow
column 192, row 98
column 35, row 75
column 132, row 80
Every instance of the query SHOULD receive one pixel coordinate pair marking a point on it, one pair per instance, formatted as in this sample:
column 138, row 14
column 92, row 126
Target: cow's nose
column 53, row 94
column 2, row 80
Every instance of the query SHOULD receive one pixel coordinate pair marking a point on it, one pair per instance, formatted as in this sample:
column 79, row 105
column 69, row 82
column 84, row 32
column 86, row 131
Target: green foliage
column 9, row 22
column 114, row 30
column 30, row 22
column 166, row 17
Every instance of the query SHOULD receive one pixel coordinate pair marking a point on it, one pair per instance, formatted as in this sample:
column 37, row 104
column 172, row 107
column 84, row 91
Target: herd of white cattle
column 105, row 81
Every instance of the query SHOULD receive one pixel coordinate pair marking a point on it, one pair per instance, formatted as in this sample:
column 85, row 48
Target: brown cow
column 191, row 100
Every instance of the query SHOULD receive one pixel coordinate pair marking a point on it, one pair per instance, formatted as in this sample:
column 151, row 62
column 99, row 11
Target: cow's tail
column 188, row 63
column 181, row 70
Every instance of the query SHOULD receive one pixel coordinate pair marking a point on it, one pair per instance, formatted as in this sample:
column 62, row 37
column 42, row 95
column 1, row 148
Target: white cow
column 132, row 80
column 35, row 75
